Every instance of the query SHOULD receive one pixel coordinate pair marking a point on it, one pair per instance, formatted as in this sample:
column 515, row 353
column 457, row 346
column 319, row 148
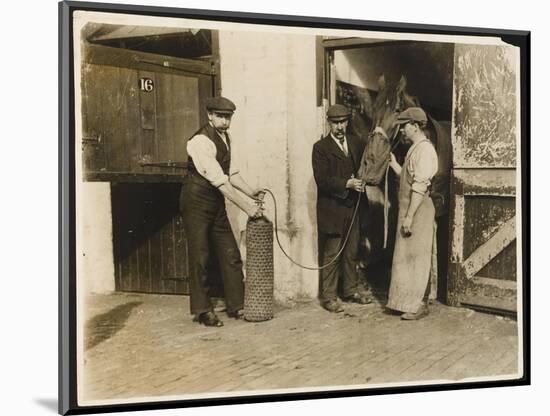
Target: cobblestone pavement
column 147, row 346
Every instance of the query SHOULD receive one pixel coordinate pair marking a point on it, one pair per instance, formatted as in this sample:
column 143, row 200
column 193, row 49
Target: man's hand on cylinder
column 258, row 194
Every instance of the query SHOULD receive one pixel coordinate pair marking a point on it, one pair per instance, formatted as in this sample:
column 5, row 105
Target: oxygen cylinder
column 258, row 287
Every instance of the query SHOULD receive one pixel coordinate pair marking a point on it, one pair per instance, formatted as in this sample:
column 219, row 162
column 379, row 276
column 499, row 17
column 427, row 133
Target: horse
column 380, row 218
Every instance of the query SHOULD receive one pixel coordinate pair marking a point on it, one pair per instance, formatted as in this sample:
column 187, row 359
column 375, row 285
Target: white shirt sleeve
column 423, row 167
column 203, row 152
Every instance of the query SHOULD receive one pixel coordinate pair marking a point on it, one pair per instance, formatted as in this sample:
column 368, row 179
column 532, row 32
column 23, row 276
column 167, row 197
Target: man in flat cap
column 211, row 178
column 414, row 240
column 335, row 162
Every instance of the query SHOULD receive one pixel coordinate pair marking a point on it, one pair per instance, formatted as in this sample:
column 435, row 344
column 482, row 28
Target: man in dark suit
column 335, row 162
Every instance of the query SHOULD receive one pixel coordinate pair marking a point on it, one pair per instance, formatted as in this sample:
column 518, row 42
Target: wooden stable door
column 483, row 260
column 138, row 120
column 135, row 129
column 149, row 242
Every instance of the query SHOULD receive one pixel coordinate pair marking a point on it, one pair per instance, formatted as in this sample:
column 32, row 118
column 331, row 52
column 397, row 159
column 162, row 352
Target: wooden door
column 149, row 242
column 483, row 260
column 138, row 110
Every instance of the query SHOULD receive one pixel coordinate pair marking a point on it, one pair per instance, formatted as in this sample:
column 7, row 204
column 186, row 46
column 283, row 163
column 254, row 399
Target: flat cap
column 220, row 105
column 338, row 112
column 412, row 114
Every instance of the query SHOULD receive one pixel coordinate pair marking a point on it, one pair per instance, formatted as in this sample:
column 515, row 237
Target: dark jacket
column 332, row 169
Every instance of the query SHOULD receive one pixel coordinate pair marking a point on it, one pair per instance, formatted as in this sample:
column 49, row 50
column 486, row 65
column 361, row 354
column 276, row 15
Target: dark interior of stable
column 177, row 42
column 428, row 70
column 427, row 67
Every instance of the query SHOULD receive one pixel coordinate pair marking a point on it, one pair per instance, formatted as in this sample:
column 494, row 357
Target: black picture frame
column 68, row 403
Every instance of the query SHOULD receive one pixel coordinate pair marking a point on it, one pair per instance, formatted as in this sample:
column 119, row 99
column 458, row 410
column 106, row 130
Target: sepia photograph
column 279, row 209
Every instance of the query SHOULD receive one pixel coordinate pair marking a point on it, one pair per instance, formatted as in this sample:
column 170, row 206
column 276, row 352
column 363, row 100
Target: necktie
column 343, row 147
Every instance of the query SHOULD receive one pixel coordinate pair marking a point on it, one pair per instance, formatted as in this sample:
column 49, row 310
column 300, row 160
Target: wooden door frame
column 325, row 48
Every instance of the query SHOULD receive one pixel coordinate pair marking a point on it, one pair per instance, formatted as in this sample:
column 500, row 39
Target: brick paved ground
column 147, row 345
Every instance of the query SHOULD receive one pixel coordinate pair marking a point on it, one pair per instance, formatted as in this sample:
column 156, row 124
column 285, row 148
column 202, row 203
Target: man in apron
column 412, row 256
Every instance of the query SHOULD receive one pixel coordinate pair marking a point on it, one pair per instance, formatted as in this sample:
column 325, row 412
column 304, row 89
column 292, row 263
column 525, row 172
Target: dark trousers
column 342, row 274
column 208, row 233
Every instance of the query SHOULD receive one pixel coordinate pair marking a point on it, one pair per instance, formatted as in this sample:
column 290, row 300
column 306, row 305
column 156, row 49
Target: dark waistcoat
column 223, row 153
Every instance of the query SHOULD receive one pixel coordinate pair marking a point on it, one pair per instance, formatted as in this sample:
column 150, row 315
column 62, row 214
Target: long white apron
column 412, row 255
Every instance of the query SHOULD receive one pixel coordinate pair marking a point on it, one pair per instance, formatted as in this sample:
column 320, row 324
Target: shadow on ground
column 377, row 278
column 102, row 327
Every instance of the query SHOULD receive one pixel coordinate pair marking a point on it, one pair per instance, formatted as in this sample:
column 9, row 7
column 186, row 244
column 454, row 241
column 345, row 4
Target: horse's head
column 390, row 101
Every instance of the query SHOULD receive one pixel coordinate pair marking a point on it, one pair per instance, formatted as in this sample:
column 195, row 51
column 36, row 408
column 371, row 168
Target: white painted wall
column 271, row 79
column 95, row 261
